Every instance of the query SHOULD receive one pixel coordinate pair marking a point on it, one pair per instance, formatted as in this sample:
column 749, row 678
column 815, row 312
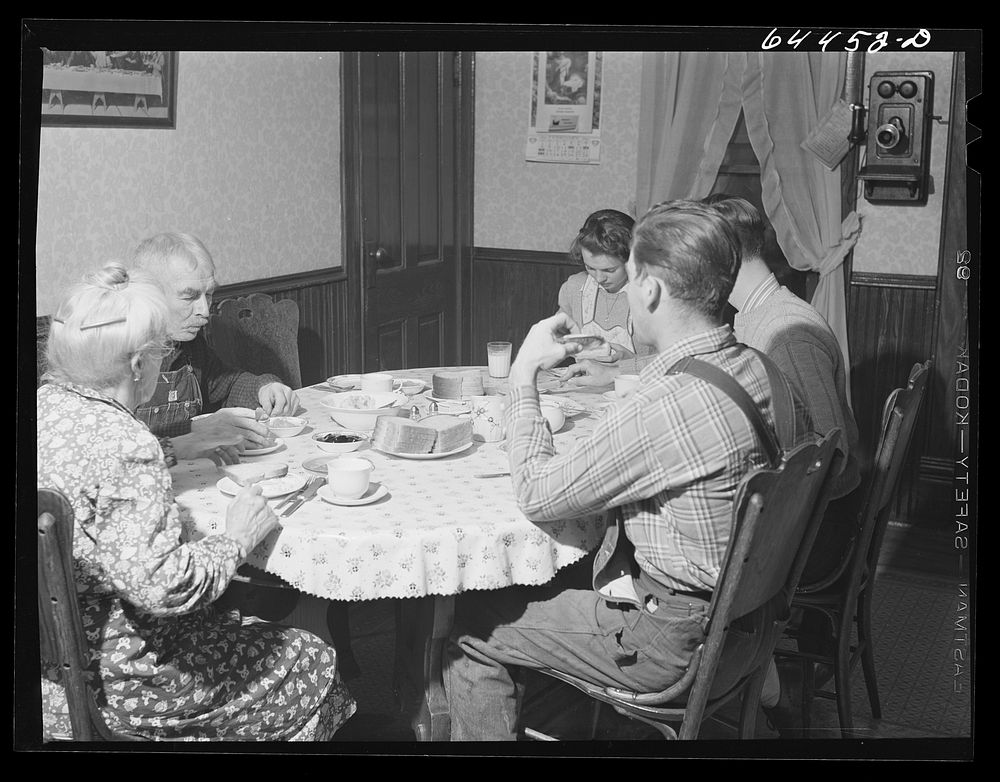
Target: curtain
column 690, row 104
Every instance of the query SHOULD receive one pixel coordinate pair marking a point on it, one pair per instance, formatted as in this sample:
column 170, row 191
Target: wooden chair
column 776, row 513
column 60, row 626
column 845, row 596
column 258, row 334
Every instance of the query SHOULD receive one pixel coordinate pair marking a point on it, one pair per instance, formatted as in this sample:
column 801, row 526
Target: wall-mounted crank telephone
column 898, row 148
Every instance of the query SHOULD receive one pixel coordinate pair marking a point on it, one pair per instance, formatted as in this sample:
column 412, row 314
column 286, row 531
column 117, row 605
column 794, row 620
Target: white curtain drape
column 690, row 104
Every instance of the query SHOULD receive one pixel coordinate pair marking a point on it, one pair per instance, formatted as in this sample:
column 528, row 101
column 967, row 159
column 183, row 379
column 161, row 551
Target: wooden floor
column 917, row 565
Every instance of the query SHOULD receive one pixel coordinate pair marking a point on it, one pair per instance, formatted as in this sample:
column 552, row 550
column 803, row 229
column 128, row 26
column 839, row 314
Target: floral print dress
column 166, row 663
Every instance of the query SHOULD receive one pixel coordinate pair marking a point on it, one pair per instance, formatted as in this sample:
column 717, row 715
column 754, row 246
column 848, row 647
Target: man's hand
column 591, row 373
column 221, row 436
column 542, row 348
column 608, row 353
column 278, row 399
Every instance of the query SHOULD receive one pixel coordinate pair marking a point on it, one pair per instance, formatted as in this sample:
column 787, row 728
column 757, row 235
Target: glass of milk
column 498, row 354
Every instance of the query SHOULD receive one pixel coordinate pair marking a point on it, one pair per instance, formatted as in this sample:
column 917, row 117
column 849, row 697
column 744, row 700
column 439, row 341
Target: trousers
column 576, row 631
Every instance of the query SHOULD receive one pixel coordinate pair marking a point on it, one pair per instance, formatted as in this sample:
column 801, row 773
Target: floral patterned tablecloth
column 438, row 531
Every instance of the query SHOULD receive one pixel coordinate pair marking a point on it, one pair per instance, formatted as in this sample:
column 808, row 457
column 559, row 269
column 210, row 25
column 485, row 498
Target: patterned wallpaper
column 540, row 206
column 903, row 239
column 252, row 168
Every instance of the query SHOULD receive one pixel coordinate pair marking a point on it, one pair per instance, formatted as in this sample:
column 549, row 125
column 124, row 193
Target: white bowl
column 554, row 414
column 410, row 386
column 338, row 447
column 285, row 425
column 350, row 400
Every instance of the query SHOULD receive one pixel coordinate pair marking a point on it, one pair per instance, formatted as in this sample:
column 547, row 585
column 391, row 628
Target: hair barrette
column 94, row 325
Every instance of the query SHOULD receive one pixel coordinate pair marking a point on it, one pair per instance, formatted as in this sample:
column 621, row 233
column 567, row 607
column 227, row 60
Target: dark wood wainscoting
column 323, row 317
column 891, row 327
column 511, row 291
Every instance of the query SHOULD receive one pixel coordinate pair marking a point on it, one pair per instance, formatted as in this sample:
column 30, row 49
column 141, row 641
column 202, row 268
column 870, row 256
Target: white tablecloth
column 439, row 531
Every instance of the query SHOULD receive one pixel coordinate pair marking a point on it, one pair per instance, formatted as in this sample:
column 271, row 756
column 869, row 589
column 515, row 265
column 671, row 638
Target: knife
column 307, row 495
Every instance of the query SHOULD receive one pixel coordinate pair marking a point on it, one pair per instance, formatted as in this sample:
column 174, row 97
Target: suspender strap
column 780, row 399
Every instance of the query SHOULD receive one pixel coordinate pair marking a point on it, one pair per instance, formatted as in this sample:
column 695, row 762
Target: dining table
column 439, row 525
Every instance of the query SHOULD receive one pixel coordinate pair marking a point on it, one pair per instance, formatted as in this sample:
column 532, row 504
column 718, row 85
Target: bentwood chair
column 258, row 334
column 60, row 627
column 776, row 513
column 844, row 597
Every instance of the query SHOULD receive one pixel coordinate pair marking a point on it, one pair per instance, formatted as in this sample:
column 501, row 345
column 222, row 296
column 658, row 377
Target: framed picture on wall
column 127, row 89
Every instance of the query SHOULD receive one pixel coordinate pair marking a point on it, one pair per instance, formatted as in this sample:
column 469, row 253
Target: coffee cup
column 348, row 477
column 625, row 384
column 376, row 383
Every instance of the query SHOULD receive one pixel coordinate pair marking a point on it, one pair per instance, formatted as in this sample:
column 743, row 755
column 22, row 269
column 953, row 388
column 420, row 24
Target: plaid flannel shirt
column 671, row 457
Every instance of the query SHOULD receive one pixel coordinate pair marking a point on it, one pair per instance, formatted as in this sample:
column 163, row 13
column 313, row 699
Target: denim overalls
column 177, row 398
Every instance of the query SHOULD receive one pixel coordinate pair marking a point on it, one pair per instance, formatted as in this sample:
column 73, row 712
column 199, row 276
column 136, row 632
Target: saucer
column 278, row 442
column 614, row 396
column 376, row 491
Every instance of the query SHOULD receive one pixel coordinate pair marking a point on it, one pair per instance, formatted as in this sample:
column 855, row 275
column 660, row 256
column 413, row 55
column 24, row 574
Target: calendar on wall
column 565, row 118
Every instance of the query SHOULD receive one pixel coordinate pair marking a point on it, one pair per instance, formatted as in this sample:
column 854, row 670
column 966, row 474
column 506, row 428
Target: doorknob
column 379, row 255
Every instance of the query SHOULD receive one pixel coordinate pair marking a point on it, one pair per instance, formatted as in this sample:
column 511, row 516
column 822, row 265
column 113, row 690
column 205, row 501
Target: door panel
column 408, row 109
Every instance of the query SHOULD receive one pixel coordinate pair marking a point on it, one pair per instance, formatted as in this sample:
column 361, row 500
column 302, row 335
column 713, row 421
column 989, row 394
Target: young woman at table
column 167, row 664
column 595, row 298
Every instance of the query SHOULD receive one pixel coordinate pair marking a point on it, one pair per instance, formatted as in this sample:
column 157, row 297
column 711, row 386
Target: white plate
column 424, row 455
column 376, row 491
column 270, row 488
column 614, row 396
column 278, row 442
column 463, row 401
column 569, row 407
column 413, row 385
column 318, row 464
column 345, row 382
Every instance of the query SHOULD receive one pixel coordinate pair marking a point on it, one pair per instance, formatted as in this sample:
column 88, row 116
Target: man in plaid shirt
column 668, row 459
column 193, row 379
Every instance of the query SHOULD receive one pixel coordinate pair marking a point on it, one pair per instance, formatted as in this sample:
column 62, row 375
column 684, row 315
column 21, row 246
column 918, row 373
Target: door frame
column 351, row 211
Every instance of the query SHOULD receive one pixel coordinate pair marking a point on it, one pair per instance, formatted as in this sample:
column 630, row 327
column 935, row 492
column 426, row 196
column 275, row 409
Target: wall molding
column 879, row 280
column 508, row 255
column 285, row 282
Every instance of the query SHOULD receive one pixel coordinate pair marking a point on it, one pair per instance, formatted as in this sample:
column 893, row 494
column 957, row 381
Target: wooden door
column 407, row 228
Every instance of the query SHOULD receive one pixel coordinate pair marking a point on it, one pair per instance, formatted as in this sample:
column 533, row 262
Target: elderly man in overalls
column 193, row 379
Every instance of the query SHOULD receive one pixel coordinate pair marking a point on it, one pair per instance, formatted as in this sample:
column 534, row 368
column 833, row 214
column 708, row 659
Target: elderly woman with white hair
column 167, row 663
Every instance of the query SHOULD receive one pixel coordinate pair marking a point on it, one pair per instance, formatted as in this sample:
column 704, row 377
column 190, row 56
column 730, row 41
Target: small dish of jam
column 339, row 440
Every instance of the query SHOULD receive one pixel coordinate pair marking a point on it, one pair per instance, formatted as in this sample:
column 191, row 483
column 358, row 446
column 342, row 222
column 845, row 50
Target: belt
column 646, row 583
column 699, row 595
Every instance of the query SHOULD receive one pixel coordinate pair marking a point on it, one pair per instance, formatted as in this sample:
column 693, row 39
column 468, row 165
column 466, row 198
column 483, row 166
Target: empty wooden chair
column 775, row 516
column 845, row 596
column 258, row 334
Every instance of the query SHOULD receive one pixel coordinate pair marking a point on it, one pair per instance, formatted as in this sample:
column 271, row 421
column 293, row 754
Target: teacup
column 348, row 477
column 376, row 382
column 625, row 384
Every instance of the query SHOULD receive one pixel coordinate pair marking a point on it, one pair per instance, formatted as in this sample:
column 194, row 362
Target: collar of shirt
column 760, row 294
column 92, row 393
column 710, row 341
